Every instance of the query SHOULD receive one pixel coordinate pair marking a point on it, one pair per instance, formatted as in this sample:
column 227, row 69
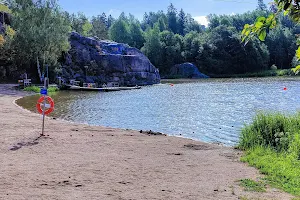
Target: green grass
column 272, row 144
column 281, row 171
column 38, row 89
column 254, row 186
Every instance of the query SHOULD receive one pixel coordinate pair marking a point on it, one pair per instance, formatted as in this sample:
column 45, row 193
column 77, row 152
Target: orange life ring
column 41, row 102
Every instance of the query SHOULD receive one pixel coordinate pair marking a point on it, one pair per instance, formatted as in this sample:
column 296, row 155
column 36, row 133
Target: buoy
column 48, row 109
column 285, row 88
column 172, row 85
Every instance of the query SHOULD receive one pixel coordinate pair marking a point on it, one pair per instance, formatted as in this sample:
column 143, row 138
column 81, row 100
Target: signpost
column 45, row 104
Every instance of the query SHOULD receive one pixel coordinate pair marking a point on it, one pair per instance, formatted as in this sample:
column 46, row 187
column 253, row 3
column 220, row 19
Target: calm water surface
column 212, row 110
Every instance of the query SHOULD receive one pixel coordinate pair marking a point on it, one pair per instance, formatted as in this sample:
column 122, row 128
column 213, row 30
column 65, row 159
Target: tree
column 181, row 22
column 192, row 25
column 153, row 48
column 172, row 18
column 87, row 29
column 99, row 28
column 161, row 24
column 262, row 25
column 110, row 21
column 42, row 33
column 120, row 31
column 136, row 35
column 282, row 45
column 191, row 45
column 222, row 53
column 171, row 49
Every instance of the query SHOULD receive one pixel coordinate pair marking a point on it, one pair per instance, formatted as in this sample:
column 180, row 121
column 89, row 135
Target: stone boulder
column 5, row 18
column 186, row 70
column 102, row 62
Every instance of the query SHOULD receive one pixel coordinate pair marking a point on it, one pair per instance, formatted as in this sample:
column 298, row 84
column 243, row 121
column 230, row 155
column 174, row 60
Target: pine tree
column 181, row 22
column 110, row 21
column 172, row 18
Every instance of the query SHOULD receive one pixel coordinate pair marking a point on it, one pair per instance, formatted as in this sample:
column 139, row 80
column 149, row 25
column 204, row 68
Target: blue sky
column 197, row 8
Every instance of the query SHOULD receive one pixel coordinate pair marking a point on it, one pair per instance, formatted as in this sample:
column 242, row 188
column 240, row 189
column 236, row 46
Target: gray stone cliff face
column 91, row 60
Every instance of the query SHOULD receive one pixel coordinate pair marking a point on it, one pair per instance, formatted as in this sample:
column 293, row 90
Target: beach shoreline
column 78, row 161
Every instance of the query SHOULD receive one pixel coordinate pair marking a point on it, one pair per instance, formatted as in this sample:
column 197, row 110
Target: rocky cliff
column 102, row 62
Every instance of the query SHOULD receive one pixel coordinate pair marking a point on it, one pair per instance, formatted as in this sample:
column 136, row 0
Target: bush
column 32, row 89
column 37, row 89
column 270, row 130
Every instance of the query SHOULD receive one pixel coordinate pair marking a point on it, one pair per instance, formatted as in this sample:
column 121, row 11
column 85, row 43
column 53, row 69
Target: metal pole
column 44, row 107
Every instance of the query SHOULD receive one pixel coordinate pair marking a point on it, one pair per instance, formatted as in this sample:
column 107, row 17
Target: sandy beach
column 84, row 162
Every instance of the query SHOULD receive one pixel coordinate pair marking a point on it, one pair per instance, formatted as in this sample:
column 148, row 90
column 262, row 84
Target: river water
column 212, row 110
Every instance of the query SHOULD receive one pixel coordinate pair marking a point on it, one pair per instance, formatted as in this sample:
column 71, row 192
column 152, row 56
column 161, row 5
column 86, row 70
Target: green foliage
column 296, row 70
column 272, row 144
column 262, row 25
column 282, row 45
column 172, row 18
column 171, row 46
column 270, row 130
column 41, row 32
column 166, row 38
column 99, row 27
column 87, row 28
column 253, row 186
column 153, row 47
column 222, row 53
column 136, row 35
column 38, row 89
column 259, row 28
column 281, row 170
column 120, row 31
column 4, row 8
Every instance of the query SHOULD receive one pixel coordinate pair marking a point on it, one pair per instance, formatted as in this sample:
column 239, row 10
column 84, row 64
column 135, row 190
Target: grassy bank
column 37, row 89
column 272, row 144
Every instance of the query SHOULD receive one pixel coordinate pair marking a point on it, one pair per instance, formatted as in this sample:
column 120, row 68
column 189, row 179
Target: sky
column 199, row 9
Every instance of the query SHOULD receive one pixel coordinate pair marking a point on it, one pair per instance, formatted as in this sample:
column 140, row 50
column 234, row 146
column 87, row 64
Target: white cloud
column 202, row 20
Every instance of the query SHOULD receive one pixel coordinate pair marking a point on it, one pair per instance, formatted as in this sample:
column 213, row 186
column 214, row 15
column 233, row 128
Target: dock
column 104, row 89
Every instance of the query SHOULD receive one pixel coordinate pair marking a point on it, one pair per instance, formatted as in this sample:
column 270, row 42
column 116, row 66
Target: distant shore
column 79, row 161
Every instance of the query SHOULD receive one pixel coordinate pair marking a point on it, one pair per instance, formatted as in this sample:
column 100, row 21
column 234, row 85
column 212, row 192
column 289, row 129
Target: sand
column 86, row 162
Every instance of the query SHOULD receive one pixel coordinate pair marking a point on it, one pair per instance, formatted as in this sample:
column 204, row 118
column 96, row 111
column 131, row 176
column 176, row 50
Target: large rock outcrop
column 186, row 70
column 101, row 62
column 5, row 18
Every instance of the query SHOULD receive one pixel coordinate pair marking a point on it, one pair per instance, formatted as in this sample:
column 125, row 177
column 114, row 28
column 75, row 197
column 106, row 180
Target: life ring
column 40, row 103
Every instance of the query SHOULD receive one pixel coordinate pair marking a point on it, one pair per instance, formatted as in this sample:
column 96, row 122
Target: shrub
column 270, row 130
column 37, row 89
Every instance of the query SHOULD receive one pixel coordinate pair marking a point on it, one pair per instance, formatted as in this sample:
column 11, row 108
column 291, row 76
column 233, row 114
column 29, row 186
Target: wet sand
column 78, row 161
